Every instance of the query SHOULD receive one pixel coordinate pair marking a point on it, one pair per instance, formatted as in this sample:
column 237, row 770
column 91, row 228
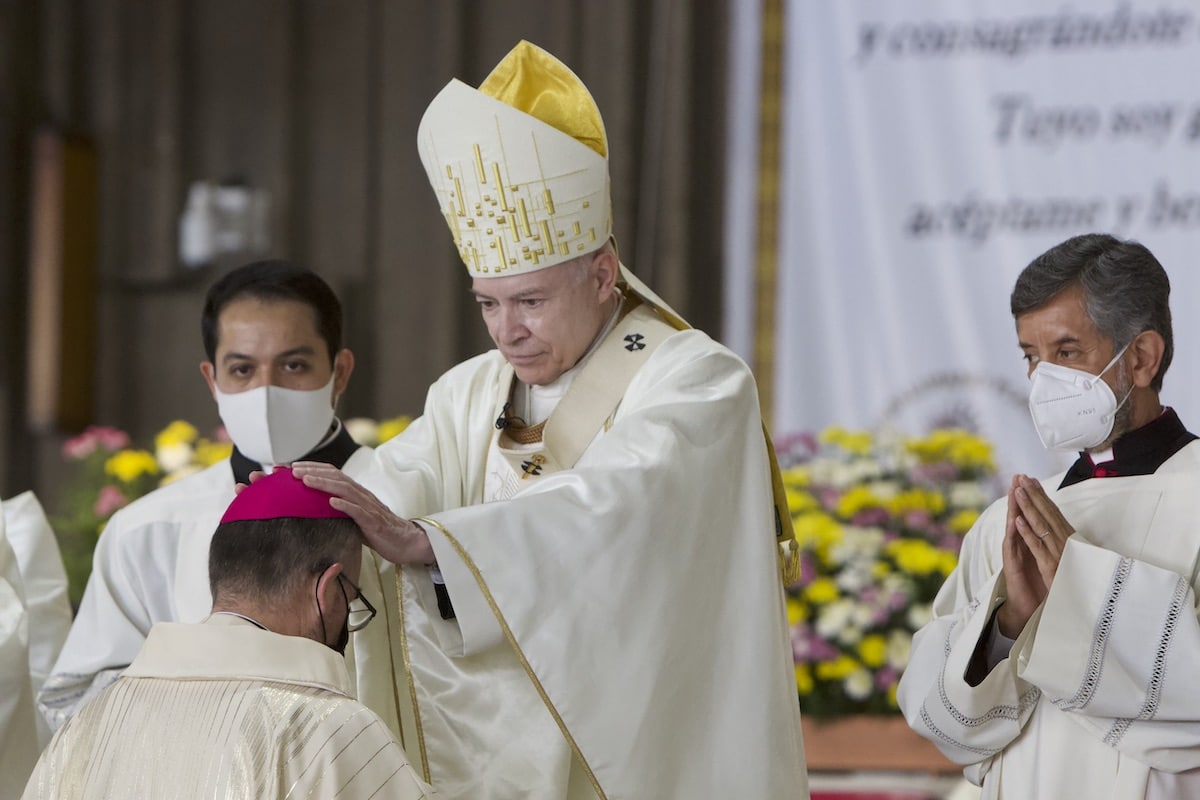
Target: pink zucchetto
column 278, row 495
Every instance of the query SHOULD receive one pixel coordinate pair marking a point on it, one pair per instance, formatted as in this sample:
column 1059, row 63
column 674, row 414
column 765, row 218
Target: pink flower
column 77, row 448
column 109, row 500
column 111, row 439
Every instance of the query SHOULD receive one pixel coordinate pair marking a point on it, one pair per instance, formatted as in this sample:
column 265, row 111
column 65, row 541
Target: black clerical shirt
column 1138, row 452
column 336, row 451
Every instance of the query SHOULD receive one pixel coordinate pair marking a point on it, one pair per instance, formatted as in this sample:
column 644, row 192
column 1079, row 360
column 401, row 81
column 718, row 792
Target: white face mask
column 273, row 425
column 1072, row 409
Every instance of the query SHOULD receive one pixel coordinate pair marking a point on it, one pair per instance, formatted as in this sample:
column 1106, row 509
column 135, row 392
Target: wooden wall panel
column 17, row 89
column 416, row 257
column 334, row 180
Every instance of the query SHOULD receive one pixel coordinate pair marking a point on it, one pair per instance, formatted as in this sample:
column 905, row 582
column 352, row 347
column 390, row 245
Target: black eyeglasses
column 359, row 615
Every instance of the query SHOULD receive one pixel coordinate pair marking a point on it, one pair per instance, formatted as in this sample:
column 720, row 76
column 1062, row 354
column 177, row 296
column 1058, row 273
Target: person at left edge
column 275, row 366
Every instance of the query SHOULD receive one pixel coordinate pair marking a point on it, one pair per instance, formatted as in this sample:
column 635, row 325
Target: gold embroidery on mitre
column 519, row 166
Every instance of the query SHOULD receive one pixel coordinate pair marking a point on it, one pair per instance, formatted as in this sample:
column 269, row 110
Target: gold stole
column 594, row 395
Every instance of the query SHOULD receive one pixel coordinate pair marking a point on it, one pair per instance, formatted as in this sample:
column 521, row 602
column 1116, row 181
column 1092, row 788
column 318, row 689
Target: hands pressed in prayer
column 399, row 540
column 1034, row 537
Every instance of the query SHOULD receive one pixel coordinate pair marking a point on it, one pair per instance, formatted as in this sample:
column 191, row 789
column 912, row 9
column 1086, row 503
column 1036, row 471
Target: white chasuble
column 619, row 628
column 1097, row 698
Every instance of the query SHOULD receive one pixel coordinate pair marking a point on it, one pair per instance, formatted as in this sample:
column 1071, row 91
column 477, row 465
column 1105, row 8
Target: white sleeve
column 969, row 720
column 129, row 590
column 18, row 728
column 45, row 585
column 1116, row 644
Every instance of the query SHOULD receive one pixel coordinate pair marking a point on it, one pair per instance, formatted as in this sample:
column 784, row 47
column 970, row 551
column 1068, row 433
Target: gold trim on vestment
column 531, row 434
column 375, row 559
column 512, row 640
column 412, row 685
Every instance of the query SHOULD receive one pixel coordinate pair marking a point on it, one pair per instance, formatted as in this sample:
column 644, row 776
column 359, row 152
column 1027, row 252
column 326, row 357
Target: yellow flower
column 209, row 453
column 797, row 611
column 856, row 443
column 178, row 432
column 917, row 500
column 891, row 696
column 390, row 428
column 797, row 477
column 804, row 679
column 880, row 569
column 822, row 590
column 873, row 650
column 816, row 530
column 841, row 667
column 963, row 449
column 947, row 562
column 800, row 501
column 915, row 556
column 856, row 499
column 961, row 522
column 129, row 465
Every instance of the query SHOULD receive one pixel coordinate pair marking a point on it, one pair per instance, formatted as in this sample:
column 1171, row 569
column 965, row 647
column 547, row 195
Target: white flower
column 920, row 615
column 849, row 636
column 833, row 618
column 173, row 457
column 858, row 684
column 967, row 494
column 363, row 430
column 899, row 647
column 884, row 490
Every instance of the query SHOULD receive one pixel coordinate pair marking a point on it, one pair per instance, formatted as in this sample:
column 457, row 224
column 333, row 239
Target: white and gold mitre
column 519, row 165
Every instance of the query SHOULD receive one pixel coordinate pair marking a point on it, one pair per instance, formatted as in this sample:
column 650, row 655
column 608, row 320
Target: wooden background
column 318, row 101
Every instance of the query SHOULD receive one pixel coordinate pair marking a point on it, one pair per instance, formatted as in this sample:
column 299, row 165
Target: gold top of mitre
column 519, row 165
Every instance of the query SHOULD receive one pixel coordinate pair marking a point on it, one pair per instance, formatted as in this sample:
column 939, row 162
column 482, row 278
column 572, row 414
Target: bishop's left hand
column 1042, row 526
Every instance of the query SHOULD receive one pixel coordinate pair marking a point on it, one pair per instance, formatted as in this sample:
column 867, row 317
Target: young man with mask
column 275, row 365
column 255, row 701
column 1060, row 661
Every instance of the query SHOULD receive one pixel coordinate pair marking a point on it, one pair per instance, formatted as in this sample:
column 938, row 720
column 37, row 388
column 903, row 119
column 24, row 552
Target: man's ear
column 1147, row 348
column 210, row 377
column 343, row 366
column 327, row 586
column 605, row 270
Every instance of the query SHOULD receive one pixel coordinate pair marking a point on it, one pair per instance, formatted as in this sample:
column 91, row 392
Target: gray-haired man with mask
column 1060, row 659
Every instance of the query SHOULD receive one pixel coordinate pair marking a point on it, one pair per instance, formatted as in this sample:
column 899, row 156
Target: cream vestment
column 1097, row 698
column 619, row 627
column 224, row 709
column 150, row 565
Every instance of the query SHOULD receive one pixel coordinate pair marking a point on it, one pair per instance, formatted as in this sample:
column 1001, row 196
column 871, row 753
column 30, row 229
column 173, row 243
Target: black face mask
column 343, row 638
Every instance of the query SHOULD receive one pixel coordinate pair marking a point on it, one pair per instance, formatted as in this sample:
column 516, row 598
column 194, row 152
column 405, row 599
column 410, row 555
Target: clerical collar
column 336, row 449
column 1138, row 452
column 535, row 404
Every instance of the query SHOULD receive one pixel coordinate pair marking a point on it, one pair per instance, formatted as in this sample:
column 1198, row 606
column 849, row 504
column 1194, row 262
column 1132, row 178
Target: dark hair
column 1125, row 289
column 273, row 280
column 268, row 558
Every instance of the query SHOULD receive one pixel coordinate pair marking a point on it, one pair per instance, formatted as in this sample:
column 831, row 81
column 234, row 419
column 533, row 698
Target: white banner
column 933, row 149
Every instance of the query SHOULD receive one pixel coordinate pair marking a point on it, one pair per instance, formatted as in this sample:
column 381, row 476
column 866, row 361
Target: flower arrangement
column 879, row 523
column 108, row 473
